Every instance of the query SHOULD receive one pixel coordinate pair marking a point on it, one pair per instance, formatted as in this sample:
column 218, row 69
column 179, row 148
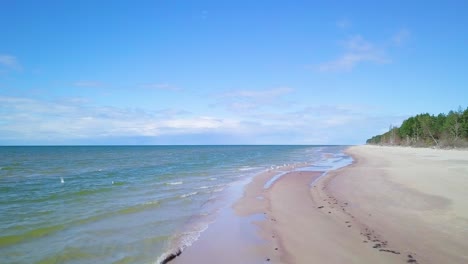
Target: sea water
column 124, row 204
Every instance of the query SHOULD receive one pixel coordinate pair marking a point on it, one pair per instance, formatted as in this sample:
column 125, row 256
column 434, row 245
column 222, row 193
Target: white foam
column 175, row 183
column 273, row 179
column 247, row 168
column 188, row 194
column 185, row 240
column 218, row 190
column 152, row 202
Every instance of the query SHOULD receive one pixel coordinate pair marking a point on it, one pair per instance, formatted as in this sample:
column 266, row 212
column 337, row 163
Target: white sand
column 416, row 199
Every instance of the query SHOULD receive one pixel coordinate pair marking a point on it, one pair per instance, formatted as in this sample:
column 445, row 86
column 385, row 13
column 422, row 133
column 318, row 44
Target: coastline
column 391, row 205
column 304, row 222
column 244, row 231
column 239, row 234
column 143, row 202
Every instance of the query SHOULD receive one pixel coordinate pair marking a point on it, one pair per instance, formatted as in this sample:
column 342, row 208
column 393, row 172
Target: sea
column 126, row 204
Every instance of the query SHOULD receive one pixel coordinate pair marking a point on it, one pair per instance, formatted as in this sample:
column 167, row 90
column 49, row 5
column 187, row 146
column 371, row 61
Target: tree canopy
column 425, row 130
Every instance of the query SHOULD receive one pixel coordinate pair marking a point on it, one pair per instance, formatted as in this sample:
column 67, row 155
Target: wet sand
column 392, row 205
column 240, row 233
column 304, row 225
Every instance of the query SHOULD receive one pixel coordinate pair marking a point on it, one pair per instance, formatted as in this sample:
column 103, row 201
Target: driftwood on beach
column 171, row 256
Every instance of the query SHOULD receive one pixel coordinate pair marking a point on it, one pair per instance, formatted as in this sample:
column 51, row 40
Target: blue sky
column 226, row 72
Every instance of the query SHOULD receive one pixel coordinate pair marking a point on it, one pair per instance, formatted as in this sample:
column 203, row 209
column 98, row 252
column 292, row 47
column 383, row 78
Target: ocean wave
column 87, row 192
column 60, row 196
column 175, row 183
column 68, row 254
column 218, row 190
column 139, row 207
column 247, row 168
column 32, row 234
column 188, row 194
column 211, row 186
column 122, row 211
column 117, row 183
column 182, row 241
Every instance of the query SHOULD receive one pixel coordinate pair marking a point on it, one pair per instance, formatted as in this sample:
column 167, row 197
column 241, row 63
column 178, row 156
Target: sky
column 225, row 72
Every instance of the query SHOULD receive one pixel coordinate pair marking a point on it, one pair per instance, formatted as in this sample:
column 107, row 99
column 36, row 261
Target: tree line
column 425, row 130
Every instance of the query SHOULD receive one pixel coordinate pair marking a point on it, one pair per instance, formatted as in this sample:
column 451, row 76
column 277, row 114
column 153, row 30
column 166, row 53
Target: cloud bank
column 357, row 50
column 68, row 121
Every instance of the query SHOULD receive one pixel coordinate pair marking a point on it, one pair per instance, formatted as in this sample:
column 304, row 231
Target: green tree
column 428, row 126
column 465, row 123
column 453, row 124
column 406, row 130
column 427, row 130
column 439, row 125
column 417, row 129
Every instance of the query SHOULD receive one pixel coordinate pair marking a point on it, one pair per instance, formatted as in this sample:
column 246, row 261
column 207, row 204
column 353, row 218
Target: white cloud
column 31, row 120
column 357, row 50
column 350, row 60
column 9, row 62
column 358, row 44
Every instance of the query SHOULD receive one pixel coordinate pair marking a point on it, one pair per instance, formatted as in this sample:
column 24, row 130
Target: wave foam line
column 188, row 194
column 167, row 257
column 186, row 241
column 175, row 183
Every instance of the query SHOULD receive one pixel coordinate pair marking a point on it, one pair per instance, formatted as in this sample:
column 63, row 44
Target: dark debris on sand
column 390, row 251
column 411, row 259
column 171, row 256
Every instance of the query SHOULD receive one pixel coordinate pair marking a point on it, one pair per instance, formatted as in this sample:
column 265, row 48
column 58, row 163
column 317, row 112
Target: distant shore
column 392, row 205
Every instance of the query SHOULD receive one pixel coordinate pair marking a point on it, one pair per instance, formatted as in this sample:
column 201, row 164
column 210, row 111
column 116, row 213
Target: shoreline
column 243, row 239
column 305, row 223
column 391, row 205
column 244, row 224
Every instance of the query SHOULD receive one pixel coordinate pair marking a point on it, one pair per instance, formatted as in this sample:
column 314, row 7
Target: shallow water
column 112, row 204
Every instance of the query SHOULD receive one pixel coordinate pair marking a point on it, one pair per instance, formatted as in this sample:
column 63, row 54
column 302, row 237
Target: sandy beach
column 392, row 205
column 414, row 200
